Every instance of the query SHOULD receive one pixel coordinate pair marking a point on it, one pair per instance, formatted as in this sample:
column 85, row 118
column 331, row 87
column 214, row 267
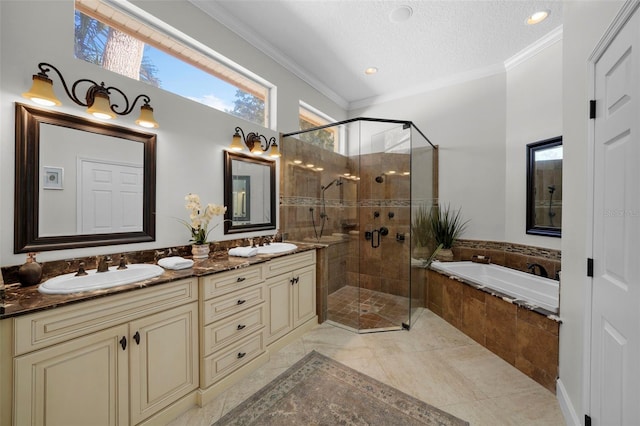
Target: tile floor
column 375, row 310
column 433, row 362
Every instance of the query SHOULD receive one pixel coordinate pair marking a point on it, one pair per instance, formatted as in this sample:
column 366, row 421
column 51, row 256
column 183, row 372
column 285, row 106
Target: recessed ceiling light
column 400, row 14
column 297, row 161
column 371, row 70
column 537, row 17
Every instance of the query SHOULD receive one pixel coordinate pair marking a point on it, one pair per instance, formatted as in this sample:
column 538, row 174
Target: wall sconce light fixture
column 253, row 141
column 96, row 98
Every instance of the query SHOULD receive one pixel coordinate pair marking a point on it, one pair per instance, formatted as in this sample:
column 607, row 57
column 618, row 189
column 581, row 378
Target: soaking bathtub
column 531, row 289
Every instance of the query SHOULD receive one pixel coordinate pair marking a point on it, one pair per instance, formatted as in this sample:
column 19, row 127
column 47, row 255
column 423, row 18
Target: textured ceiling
column 330, row 43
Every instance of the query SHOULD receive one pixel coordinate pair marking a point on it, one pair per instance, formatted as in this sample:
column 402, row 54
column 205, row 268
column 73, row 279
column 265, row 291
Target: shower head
column 337, row 182
column 552, row 189
column 380, row 179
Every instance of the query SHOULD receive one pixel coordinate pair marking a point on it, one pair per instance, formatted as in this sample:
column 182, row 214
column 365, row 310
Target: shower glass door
column 356, row 199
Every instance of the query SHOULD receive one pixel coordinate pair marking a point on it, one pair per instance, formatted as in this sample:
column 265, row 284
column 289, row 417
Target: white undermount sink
column 276, row 248
column 69, row 283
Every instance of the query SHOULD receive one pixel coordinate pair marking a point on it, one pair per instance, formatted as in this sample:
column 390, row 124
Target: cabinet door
column 279, row 302
column 304, row 295
column 80, row 382
column 164, row 359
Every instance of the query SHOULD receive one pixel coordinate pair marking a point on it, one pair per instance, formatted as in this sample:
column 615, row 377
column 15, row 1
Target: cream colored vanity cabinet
column 233, row 318
column 115, row 360
column 291, row 293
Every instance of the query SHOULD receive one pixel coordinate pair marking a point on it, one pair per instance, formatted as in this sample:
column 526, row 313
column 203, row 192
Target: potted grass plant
column 446, row 226
column 421, row 234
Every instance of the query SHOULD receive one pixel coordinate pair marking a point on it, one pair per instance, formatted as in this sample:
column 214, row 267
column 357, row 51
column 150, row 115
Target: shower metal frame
column 406, row 124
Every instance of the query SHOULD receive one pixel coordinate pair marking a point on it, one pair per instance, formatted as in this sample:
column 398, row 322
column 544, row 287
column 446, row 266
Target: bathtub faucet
column 532, row 268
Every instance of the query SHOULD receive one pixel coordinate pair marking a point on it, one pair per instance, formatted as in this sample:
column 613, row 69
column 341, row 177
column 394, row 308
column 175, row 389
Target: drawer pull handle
column 123, row 343
column 241, row 326
column 241, row 301
column 136, row 337
column 241, row 354
column 240, row 279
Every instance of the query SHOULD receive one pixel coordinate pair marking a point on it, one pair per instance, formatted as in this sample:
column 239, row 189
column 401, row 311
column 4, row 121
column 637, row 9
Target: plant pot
column 445, row 255
column 420, row 252
column 200, row 251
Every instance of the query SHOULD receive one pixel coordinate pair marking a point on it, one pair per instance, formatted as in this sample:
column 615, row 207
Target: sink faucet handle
column 123, row 262
column 81, row 272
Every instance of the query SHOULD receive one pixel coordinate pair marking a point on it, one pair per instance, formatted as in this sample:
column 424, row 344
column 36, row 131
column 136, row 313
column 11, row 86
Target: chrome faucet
column 532, row 268
column 103, row 264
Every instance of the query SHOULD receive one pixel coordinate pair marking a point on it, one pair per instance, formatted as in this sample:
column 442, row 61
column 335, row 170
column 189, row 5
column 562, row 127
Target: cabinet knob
column 241, row 301
column 136, row 337
column 240, row 279
column 241, row 326
column 241, row 354
column 123, row 343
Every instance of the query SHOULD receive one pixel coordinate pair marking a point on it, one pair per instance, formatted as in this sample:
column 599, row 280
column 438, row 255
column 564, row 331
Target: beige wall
column 534, row 113
column 191, row 137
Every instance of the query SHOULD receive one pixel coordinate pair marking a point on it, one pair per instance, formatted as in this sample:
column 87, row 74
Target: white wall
column 191, row 137
column 584, row 25
column 467, row 121
column 534, row 113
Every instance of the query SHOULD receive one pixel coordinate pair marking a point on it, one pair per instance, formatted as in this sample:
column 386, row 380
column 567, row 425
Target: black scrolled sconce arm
column 91, row 92
column 271, row 141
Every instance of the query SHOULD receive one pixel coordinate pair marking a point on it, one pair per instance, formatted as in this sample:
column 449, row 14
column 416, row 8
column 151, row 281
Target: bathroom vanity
column 146, row 355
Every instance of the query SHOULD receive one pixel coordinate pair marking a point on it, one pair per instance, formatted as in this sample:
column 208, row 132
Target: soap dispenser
column 30, row 272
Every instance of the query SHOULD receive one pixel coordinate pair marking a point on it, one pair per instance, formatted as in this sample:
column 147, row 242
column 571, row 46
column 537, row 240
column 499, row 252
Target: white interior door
column 110, row 197
column 615, row 327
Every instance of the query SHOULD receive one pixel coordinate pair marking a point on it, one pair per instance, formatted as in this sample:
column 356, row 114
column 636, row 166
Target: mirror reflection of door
column 544, row 187
column 241, row 198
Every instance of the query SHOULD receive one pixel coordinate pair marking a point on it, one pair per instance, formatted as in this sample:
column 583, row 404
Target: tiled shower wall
column 359, row 204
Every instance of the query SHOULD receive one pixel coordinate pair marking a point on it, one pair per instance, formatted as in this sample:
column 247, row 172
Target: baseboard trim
column 568, row 411
column 293, row 335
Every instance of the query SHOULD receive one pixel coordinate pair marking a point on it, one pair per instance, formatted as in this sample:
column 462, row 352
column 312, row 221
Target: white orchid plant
column 199, row 219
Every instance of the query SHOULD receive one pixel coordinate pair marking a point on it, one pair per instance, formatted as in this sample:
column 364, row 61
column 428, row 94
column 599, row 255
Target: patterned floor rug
column 320, row 391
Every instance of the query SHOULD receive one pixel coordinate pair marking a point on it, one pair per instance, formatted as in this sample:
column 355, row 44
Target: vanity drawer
column 42, row 329
column 225, row 362
column 222, row 333
column 232, row 303
column 225, row 282
column 285, row 264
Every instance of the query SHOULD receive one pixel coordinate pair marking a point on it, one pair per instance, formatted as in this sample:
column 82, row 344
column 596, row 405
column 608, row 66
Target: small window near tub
column 544, row 187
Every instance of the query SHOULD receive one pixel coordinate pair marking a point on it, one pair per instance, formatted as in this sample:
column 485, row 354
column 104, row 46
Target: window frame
column 162, row 36
column 317, row 118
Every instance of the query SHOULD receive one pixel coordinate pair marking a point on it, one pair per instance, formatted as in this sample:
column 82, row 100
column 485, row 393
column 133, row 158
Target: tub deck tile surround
column 23, row 300
column 524, row 338
column 514, row 256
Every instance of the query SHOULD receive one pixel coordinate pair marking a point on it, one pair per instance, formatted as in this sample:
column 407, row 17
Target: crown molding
column 232, row 23
column 429, row 86
column 533, row 49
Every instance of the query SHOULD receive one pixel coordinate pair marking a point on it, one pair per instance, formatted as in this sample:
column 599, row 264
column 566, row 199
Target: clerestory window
column 328, row 138
column 127, row 41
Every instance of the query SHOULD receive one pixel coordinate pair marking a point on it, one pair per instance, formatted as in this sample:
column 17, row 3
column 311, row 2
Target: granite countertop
column 25, row 300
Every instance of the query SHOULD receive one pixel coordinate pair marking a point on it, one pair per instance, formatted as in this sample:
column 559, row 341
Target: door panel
column 164, row 359
column 81, row 382
column 615, row 328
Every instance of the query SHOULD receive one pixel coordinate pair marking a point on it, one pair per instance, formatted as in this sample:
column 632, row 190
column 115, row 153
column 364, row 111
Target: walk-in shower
column 359, row 198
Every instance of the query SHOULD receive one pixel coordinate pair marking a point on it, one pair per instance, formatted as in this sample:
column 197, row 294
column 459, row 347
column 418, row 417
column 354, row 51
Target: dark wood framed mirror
column 249, row 193
column 544, row 187
column 66, row 195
